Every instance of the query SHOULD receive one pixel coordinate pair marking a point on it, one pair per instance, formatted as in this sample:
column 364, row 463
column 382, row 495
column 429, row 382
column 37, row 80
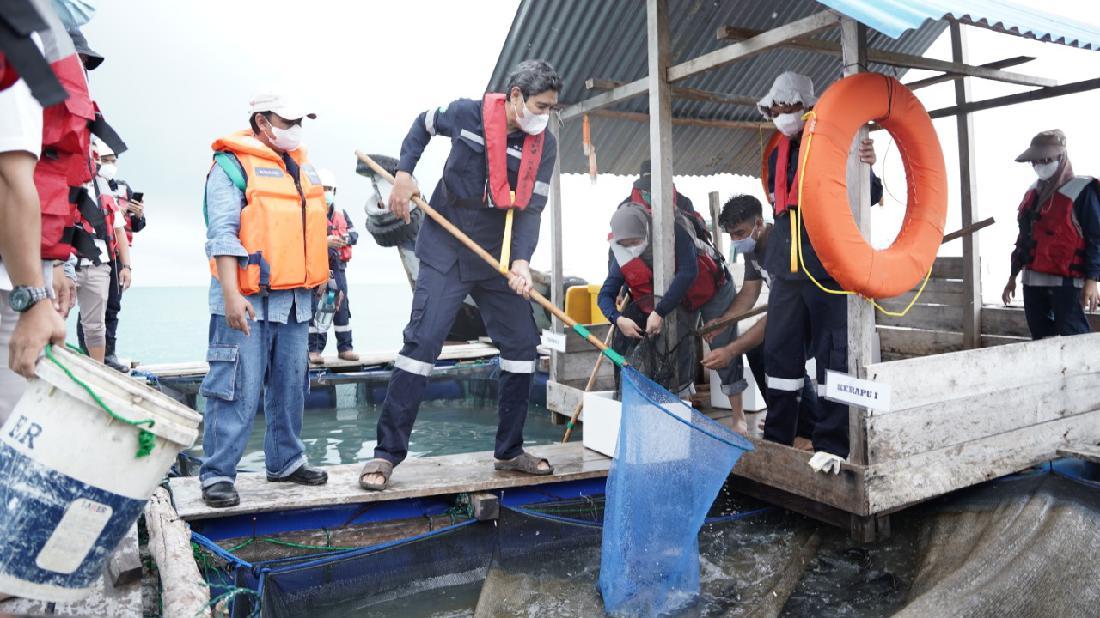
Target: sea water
column 170, row 325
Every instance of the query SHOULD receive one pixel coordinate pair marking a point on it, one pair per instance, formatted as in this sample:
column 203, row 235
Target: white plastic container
column 71, row 485
column 603, row 415
column 601, row 421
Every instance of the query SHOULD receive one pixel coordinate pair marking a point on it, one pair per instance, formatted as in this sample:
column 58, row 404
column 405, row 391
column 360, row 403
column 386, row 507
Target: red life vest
column 786, row 197
column 338, row 226
column 1057, row 241
column 8, row 75
column 638, row 271
column 66, row 149
column 494, row 124
column 109, row 206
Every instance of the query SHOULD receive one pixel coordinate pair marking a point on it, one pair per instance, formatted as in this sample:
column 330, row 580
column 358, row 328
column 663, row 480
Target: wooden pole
column 489, row 259
column 183, row 590
column 733, row 319
column 557, row 269
column 972, row 273
column 715, row 229
column 663, row 234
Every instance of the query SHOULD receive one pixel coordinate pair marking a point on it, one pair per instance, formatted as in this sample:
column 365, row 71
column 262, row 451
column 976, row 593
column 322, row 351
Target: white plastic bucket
column 71, row 485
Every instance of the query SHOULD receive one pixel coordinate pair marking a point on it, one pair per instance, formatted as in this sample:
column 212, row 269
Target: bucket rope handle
column 146, row 439
column 796, row 233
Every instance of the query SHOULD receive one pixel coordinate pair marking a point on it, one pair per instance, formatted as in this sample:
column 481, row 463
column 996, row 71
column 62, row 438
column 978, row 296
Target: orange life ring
column 846, row 106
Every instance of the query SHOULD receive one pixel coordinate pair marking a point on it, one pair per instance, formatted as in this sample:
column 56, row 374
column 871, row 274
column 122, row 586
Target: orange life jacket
column 283, row 222
column 339, row 227
column 494, row 122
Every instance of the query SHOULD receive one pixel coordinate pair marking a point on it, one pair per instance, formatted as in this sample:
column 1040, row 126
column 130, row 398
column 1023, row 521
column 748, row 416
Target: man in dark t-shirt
column 742, row 218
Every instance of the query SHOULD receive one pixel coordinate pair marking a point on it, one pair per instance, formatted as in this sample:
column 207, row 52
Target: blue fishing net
column 670, row 463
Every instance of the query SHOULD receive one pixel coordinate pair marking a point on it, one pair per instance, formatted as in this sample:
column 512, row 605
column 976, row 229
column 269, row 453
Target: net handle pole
column 592, row 376
column 480, row 252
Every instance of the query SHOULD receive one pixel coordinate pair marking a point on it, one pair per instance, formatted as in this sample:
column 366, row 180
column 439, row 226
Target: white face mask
column 789, row 124
column 286, row 139
column 746, row 244
column 1045, row 170
column 530, row 122
column 108, row 171
column 330, row 197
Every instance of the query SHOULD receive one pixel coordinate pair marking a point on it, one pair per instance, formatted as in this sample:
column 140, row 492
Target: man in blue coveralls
column 499, row 167
column 795, row 304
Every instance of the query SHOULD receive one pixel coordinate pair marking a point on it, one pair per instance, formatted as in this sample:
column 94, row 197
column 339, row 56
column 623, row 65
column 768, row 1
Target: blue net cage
column 670, row 463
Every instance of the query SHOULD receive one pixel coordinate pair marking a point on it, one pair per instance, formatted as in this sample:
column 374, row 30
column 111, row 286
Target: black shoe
column 220, row 495
column 303, row 476
column 112, row 361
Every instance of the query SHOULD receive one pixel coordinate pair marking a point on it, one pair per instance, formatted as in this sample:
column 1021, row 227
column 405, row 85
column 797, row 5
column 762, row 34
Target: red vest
column 8, row 76
column 494, row 122
column 1057, row 242
column 66, row 151
column 638, row 271
column 785, row 196
column 338, row 226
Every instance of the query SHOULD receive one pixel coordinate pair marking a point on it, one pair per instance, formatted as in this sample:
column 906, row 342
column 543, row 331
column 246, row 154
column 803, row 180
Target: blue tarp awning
column 894, row 17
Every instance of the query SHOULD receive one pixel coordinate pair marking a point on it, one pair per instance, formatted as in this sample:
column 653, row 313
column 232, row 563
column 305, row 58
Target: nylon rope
column 146, row 439
column 796, row 232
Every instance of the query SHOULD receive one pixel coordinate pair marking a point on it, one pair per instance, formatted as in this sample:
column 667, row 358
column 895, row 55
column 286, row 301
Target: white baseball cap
column 280, row 103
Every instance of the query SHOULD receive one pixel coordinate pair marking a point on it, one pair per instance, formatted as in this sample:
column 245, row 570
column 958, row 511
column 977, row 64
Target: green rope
column 267, row 539
column 76, row 348
column 582, row 331
column 146, row 439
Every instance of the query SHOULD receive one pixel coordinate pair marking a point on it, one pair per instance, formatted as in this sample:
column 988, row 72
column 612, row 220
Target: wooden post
column 861, row 315
column 715, row 229
column 183, row 590
column 660, row 146
column 972, row 261
column 557, row 270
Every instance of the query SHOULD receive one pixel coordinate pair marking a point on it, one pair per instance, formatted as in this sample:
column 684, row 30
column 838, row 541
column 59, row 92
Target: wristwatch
column 24, row 297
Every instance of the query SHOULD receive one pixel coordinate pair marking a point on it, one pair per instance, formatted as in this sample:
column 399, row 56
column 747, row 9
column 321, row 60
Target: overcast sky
column 179, row 74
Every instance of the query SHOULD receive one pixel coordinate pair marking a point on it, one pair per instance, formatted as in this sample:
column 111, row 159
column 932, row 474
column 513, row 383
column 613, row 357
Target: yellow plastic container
column 580, row 304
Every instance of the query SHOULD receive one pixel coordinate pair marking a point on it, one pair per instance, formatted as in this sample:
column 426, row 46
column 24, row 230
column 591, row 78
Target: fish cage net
column 673, row 365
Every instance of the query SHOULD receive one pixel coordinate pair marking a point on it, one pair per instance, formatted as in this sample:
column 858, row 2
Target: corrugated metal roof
column 894, row 17
column 606, row 39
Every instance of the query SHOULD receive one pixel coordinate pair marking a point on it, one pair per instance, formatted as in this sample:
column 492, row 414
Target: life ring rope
column 797, row 258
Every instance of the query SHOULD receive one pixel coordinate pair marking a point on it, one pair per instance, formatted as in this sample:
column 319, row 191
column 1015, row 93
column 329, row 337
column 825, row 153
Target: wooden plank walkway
column 415, row 478
column 465, row 351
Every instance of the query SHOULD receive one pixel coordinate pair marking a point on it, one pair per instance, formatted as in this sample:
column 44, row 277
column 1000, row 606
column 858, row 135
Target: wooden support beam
column 757, row 44
column 694, row 94
column 861, row 314
column 183, row 590
column 730, row 33
column 946, row 77
column 715, row 229
column 1038, row 94
column 557, row 268
column 968, row 187
column 626, row 91
column 660, row 145
column 712, row 123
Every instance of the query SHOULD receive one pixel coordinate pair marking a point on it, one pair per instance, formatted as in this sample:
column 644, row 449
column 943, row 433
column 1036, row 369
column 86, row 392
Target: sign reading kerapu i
column 844, row 388
column 554, row 341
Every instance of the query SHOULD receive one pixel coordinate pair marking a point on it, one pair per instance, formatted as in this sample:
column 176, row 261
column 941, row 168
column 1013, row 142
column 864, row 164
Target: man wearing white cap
column 266, row 226
column 796, row 306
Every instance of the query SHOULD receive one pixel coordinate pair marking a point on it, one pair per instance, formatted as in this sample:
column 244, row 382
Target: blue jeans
column 733, row 374
column 272, row 360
